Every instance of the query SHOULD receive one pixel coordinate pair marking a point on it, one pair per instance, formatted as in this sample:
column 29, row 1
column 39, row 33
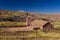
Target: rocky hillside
column 12, row 15
column 6, row 15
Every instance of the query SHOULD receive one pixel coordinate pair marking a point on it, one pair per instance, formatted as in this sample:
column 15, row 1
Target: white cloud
column 20, row 11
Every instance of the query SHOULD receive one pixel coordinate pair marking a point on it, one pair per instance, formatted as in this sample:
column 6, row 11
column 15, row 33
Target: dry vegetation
column 12, row 24
column 27, row 35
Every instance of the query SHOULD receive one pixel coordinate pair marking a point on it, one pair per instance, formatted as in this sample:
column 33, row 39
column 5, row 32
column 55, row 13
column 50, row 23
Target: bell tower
column 28, row 20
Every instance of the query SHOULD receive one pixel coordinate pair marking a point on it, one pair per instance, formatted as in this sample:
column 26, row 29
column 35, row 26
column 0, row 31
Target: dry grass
column 35, row 35
column 29, row 35
column 12, row 24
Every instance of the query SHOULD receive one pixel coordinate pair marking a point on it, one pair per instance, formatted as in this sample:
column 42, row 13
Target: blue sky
column 38, row 6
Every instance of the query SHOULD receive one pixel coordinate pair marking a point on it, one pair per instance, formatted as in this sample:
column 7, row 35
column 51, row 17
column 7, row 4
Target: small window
column 36, row 28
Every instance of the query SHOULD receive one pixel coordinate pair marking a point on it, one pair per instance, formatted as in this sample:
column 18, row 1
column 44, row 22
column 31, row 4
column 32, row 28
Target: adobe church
column 39, row 24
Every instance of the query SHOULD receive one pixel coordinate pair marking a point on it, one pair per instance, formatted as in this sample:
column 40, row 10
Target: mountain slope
column 5, row 14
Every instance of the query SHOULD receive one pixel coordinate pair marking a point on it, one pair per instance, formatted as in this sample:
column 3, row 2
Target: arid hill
column 49, row 17
column 6, row 15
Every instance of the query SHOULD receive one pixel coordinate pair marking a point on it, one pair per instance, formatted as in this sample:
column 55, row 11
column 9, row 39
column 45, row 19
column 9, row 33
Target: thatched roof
column 38, row 23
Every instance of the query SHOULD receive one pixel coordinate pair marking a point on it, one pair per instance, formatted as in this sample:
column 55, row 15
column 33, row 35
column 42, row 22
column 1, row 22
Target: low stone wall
column 19, row 29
